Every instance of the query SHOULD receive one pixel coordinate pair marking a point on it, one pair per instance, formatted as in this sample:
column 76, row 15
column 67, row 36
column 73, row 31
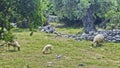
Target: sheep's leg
column 14, row 47
column 18, row 48
column 92, row 44
column 47, row 50
column 44, row 51
column 97, row 44
column 100, row 44
column 50, row 50
column 8, row 47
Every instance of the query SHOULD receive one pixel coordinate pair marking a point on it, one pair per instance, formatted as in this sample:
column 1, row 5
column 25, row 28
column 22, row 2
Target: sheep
column 46, row 48
column 98, row 39
column 15, row 44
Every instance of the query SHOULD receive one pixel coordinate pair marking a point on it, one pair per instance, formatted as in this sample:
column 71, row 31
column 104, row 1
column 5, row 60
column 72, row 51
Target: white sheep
column 47, row 49
column 98, row 39
column 15, row 44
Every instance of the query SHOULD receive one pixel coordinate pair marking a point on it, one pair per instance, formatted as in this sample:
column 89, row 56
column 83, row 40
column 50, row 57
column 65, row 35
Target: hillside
column 74, row 54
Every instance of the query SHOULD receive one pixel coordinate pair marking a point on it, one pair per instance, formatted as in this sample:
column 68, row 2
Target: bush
column 111, row 26
column 8, row 36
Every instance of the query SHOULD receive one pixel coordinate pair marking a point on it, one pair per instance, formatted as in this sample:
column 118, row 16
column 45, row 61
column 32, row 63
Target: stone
column 81, row 64
column 109, row 35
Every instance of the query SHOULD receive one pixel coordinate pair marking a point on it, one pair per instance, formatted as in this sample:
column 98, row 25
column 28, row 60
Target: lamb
column 46, row 48
column 98, row 39
column 15, row 44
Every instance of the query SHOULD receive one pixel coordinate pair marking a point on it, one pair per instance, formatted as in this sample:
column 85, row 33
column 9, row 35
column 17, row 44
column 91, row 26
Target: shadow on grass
column 12, row 51
column 66, row 25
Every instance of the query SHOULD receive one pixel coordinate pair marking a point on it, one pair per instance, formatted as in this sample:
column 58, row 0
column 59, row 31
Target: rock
column 81, row 64
column 58, row 57
column 40, row 28
column 50, row 64
column 109, row 35
column 91, row 32
column 47, row 29
column 52, row 18
column 14, row 24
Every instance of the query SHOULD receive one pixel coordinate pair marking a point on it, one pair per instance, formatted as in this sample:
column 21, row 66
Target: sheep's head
column 18, row 48
column 43, row 52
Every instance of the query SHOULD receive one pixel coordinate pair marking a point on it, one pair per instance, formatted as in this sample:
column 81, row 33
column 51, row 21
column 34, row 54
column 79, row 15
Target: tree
column 5, row 14
column 89, row 11
column 29, row 11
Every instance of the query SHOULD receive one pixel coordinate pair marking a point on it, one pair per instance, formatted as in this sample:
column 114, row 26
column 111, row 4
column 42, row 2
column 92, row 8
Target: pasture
column 74, row 54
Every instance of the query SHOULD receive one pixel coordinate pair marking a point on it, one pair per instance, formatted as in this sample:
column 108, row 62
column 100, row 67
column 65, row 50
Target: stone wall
column 47, row 29
column 110, row 35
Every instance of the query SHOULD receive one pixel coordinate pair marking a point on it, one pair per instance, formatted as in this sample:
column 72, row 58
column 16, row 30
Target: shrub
column 8, row 36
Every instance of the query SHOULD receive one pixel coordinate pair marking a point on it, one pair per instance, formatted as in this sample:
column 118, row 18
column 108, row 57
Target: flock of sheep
column 48, row 48
column 95, row 43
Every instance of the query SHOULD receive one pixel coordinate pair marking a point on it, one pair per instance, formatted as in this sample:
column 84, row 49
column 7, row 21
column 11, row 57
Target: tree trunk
column 2, row 24
column 88, row 21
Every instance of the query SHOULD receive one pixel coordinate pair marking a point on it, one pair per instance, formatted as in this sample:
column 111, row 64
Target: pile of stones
column 47, row 29
column 109, row 35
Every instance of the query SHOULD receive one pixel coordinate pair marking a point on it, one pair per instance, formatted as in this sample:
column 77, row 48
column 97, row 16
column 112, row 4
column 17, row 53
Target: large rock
column 47, row 29
column 52, row 18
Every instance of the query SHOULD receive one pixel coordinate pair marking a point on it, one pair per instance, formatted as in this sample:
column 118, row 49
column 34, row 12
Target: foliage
column 8, row 36
column 31, row 11
column 6, row 12
column 70, row 9
column 26, row 13
column 18, row 10
column 102, row 10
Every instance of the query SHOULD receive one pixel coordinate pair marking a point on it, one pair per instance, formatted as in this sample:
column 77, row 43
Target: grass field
column 74, row 54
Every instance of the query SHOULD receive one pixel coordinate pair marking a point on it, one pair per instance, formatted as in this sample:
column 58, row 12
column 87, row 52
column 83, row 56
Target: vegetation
column 84, row 13
column 88, row 12
column 25, row 13
column 73, row 53
column 75, row 16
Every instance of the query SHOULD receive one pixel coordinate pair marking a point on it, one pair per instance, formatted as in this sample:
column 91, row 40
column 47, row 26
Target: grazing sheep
column 98, row 39
column 15, row 44
column 46, row 48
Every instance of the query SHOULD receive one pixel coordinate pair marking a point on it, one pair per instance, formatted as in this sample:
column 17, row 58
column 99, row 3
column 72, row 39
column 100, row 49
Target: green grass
column 73, row 53
column 67, row 30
